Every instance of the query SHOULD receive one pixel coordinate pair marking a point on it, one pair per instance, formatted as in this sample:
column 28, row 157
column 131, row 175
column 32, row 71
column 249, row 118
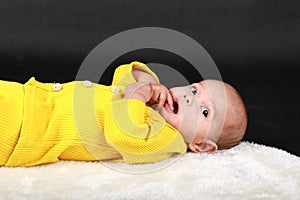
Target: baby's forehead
column 209, row 85
column 213, row 85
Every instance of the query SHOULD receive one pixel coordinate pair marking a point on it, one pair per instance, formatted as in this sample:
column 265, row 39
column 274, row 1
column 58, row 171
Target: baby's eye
column 204, row 111
column 193, row 90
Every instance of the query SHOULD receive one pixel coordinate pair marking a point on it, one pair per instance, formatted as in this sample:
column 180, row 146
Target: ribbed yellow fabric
column 11, row 116
column 139, row 133
column 39, row 125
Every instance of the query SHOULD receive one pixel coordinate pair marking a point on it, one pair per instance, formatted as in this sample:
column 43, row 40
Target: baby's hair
column 233, row 131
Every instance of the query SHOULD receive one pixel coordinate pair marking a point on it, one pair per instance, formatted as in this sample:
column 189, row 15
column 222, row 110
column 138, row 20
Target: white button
column 56, row 87
column 87, row 83
column 115, row 89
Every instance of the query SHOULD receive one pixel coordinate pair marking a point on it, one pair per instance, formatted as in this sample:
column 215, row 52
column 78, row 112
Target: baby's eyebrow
column 198, row 86
column 209, row 104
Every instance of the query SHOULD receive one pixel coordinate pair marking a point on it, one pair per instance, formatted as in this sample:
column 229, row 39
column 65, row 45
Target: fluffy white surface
column 247, row 171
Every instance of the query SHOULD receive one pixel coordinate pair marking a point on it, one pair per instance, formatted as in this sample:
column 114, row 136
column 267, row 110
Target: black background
column 255, row 44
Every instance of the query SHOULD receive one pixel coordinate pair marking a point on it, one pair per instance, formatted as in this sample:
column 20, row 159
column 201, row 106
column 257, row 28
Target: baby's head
column 210, row 115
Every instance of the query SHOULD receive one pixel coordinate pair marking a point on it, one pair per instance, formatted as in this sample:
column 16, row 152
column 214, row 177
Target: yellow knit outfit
column 81, row 121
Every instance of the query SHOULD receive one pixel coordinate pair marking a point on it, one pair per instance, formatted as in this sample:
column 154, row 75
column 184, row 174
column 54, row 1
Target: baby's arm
column 142, row 76
column 140, row 134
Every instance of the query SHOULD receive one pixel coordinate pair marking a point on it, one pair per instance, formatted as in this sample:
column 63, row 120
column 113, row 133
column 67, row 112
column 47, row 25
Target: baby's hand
column 150, row 93
column 160, row 94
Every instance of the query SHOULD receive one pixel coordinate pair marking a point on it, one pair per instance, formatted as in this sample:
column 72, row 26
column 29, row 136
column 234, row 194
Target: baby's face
column 196, row 106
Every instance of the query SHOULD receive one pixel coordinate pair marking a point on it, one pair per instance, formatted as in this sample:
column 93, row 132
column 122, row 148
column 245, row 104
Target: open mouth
column 175, row 105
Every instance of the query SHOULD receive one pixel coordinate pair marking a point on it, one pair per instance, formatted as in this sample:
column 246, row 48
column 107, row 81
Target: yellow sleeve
column 139, row 133
column 123, row 74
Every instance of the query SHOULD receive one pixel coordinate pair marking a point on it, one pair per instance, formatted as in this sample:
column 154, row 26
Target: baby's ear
column 204, row 146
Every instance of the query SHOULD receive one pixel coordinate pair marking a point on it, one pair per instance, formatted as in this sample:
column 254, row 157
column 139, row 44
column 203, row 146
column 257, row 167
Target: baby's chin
column 164, row 113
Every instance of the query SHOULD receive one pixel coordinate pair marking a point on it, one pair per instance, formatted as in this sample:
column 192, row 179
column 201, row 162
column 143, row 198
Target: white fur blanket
column 247, row 171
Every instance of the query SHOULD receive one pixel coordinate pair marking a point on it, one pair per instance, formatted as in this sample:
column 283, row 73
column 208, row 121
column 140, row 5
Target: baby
column 210, row 115
column 80, row 120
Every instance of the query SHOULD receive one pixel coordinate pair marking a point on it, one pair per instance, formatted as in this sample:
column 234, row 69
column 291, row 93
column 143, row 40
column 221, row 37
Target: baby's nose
column 187, row 99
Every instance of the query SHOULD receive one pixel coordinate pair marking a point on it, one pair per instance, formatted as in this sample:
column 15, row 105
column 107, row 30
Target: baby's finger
column 155, row 96
column 170, row 100
column 162, row 100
